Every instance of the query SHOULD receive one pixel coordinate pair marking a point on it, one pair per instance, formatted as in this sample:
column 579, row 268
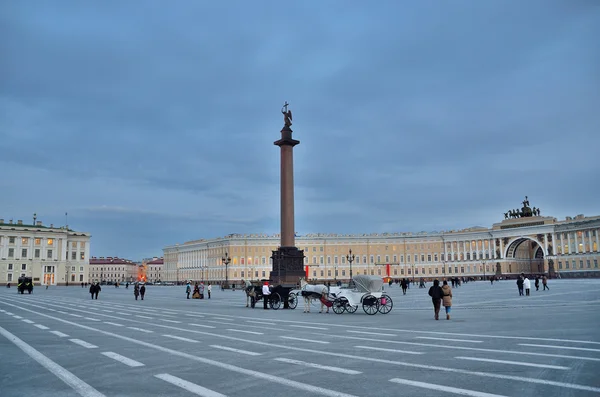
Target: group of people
column 524, row 284
column 138, row 290
column 441, row 296
column 198, row 292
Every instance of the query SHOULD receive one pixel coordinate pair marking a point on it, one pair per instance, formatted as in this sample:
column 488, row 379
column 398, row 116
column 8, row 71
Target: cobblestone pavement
column 59, row 342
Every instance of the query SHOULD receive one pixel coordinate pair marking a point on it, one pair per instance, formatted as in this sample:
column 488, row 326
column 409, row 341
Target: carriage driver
column 266, row 294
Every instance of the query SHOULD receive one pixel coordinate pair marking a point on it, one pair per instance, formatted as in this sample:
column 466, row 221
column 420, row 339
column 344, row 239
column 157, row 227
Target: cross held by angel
column 287, row 115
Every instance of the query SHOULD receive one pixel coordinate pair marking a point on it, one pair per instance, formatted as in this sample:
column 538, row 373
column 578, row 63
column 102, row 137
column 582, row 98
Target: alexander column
column 288, row 260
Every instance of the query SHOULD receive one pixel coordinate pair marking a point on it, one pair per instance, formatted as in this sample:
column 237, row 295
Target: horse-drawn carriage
column 368, row 292
column 276, row 299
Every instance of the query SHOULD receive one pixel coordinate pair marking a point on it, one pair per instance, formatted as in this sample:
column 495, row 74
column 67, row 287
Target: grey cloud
column 412, row 115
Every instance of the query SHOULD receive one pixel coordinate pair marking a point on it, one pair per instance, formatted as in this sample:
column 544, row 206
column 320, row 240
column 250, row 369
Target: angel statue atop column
column 287, row 115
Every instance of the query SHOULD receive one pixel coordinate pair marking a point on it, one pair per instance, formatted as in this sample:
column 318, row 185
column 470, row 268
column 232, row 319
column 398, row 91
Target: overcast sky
column 152, row 123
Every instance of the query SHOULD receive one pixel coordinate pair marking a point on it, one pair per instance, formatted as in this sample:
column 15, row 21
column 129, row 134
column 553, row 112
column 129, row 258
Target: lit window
column 24, row 240
column 50, row 241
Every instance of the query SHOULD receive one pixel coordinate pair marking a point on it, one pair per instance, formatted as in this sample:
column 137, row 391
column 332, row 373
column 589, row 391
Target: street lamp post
column 350, row 257
column 226, row 261
column 483, row 264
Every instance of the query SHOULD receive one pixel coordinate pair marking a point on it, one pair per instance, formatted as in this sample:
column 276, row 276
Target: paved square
column 59, row 342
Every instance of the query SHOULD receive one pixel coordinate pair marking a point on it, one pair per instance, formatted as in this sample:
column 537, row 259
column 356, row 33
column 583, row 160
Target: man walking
column 520, row 284
column 142, row 291
column 436, row 293
column 545, row 283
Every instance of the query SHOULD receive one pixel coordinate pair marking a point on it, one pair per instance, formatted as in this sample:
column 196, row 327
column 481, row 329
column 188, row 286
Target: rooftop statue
column 287, row 115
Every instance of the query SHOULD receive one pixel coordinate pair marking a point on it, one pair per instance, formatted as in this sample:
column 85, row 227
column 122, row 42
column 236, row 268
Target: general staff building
column 532, row 245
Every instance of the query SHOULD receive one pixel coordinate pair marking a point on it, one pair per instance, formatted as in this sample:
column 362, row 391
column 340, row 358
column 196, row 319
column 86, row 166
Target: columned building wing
column 50, row 255
column 532, row 245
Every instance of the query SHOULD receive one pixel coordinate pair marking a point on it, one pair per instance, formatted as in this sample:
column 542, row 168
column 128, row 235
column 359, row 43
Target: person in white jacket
column 266, row 294
column 527, row 286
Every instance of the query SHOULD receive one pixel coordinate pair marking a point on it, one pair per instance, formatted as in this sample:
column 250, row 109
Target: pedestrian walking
column 537, row 283
column 436, row 293
column 447, row 299
column 520, row 285
column 201, row 290
column 527, row 286
column 188, row 290
column 136, row 291
column 209, row 289
column 143, row 291
column 404, row 285
column 95, row 290
column 545, row 283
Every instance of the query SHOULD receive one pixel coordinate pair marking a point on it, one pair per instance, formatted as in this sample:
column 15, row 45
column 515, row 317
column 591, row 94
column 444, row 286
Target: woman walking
column 447, row 299
column 136, row 291
column 436, row 293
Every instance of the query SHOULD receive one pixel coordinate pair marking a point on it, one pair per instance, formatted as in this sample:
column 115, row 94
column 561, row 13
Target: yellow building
column 533, row 245
column 50, row 255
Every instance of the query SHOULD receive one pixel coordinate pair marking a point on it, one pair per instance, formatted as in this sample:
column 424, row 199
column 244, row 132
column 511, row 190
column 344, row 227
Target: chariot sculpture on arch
column 287, row 115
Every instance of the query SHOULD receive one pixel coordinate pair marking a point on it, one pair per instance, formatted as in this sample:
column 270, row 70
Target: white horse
column 250, row 292
column 314, row 292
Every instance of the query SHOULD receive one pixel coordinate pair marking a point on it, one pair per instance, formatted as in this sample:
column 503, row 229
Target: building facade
column 110, row 270
column 533, row 245
column 152, row 269
column 50, row 255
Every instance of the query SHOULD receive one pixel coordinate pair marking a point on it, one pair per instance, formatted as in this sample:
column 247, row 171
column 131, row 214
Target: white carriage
column 368, row 292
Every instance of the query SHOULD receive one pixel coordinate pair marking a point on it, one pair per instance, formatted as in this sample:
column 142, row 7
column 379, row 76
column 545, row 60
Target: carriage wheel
column 386, row 307
column 275, row 301
column 351, row 309
column 292, row 301
column 339, row 305
column 370, row 304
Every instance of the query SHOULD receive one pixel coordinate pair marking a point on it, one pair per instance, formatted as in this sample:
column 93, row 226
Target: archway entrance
column 525, row 255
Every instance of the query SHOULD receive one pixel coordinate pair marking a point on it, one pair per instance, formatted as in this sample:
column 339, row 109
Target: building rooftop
column 109, row 260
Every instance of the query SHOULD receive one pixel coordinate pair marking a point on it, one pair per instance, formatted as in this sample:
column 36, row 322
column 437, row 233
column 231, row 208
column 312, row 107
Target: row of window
column 47, row 269
column 36, row 253
column 379, row 272
column 49, row 254
column 25, row 240
column 573, row 264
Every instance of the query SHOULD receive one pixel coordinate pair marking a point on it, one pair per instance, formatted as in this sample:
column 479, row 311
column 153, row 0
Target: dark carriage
column 25, row 284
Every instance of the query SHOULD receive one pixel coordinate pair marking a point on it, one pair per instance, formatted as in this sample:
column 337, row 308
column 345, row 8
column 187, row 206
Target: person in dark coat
column 136, row 291
column 436, row 293
column 520, row 282
column 95, row 289
column 537, row 283
column 143, row 291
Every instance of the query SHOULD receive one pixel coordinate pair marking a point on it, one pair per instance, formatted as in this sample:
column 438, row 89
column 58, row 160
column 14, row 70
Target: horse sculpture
column 314, row 292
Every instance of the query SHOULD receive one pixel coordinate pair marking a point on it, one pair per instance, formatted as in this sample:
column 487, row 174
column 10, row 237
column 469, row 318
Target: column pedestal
column 288, row 266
